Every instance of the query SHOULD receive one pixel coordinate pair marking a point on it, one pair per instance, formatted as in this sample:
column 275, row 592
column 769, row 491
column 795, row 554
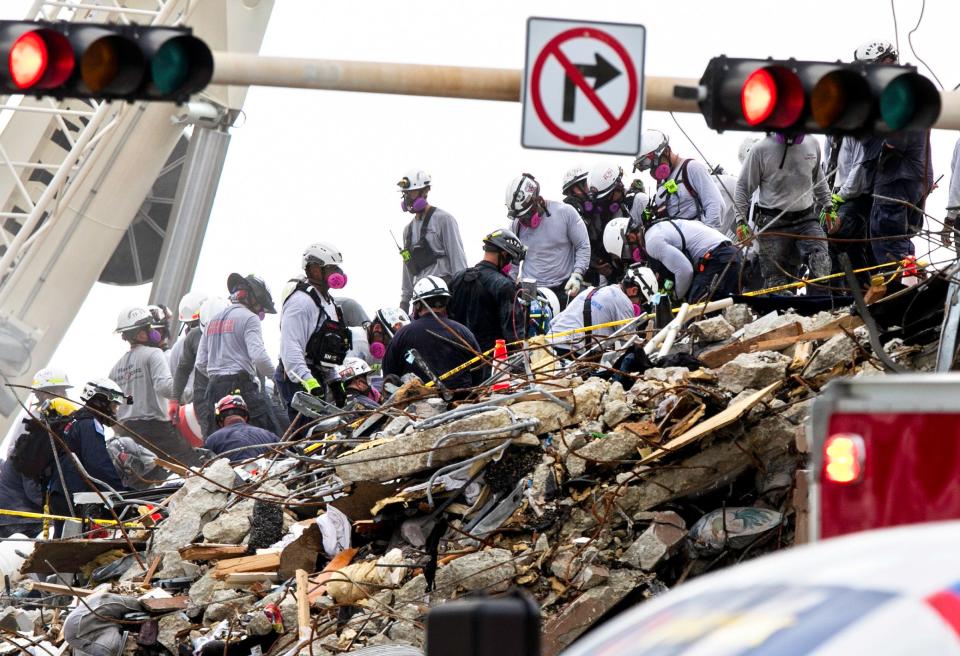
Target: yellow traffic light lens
column 841, row 100
column 100, row 64
column 827, row 101
column 28, row 60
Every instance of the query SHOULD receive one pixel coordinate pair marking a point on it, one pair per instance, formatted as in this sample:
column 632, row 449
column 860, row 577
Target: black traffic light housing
column 102, row 61
column 793, row 97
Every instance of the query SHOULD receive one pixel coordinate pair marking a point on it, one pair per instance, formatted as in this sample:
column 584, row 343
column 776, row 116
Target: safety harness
column 588, row 315
column 670, row 186
column 330, row 340
column 419, row 256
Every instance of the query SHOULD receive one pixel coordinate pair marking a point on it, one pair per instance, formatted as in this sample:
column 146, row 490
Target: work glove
column 946, row 235
column 574, row 283
column 312, row 386
column 837, row 200
column 173, row 411
column 829, row 221
column 744, row 232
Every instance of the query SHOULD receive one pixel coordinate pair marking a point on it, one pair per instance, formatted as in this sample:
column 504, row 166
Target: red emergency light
column 844, row 455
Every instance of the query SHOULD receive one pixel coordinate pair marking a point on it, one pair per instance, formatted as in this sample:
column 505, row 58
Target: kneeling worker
column 235, row 438
column 690, row 253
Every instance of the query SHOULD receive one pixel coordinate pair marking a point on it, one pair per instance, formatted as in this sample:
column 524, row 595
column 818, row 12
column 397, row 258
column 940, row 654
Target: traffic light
column 104, row 61
column 790, row 96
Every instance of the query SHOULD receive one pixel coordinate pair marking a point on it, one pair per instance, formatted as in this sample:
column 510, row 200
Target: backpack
column 31, row 454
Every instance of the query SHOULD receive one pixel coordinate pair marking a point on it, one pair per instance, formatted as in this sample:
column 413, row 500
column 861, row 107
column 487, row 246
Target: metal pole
column 191, row 213
column 446, row 81
column 407, row 79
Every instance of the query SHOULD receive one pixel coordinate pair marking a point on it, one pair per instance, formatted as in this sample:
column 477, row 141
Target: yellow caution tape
column 65, row 518
column 622, row 322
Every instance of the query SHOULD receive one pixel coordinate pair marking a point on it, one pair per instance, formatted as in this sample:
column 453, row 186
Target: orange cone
column 500, row 364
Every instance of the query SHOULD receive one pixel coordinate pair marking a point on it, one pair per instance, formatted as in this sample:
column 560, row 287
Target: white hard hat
column 392, row 319
column 573, row 176
column 430, row 287
column 521, row 194
column 189, row 309
column 652, row 144
column 644, row 278
column 352, row 368
column 745, row 147
column 875, row 50
column 550, row 298
column 414, row 179
column 613, row 236
column 133, row 317
column 106, row 388
column 603, row 178
column 321, row 253
column 50, row 378
column 211, row 308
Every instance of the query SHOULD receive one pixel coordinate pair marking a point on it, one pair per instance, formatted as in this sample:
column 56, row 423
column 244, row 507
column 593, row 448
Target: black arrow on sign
column 602, row 72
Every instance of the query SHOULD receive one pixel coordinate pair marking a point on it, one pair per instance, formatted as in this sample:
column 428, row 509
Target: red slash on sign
column 615, row 122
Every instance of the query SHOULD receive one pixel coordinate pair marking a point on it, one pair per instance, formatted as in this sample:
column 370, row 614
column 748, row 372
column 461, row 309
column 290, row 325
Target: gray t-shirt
column 677, row 253
column 443, row 235
column 607, row 304
column 144, row 374
column 794, row 185
column 555, row 248
column 232, row 343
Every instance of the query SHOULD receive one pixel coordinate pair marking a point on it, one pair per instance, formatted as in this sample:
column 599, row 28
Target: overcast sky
column 311, row 166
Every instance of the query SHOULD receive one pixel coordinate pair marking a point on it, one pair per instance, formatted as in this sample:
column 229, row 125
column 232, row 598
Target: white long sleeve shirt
column 682, row 205
column 607, row 304
column 299, row 318
column 555, row 248
column 664, row 243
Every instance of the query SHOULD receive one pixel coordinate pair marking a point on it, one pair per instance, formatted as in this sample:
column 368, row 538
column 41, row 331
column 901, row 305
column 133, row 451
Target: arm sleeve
column 295, row 330
column 854, row 184
column 709, row 195
column 453, row 245
column 188, row 359
column 821, row 190
column 392, row 359
column 577, row 233
column 160, row 372
column 95, row 458
column 675, row 260
column 253, row 338
column 748, row 182
column 510, row 312
column 201, row 363
column 953, row 195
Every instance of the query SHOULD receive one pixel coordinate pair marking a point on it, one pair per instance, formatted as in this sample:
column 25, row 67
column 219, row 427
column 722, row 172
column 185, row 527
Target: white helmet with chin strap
column 573, row 176
column 613, row 236
column 106, row 388
column 652, row 145
column 873, row 51
column 189, row 309
column 430, row 287
column 50, row 378
column 323, row 254
column 521, row 195
column 603, row 178
column 644, row 278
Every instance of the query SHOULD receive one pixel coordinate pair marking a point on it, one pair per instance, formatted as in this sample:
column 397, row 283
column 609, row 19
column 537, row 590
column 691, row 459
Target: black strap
column 681, row 178
column 408, row 231
column 588, row 314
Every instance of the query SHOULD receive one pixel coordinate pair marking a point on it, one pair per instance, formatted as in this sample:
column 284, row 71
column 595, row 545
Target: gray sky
column 311, row 166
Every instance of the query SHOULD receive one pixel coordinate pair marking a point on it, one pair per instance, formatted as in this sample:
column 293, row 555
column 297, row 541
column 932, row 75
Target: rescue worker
column 85, row 438
column 431, row 241
column 701, row 261
column 27, row 469
column 792, row 190
column 606, row 200
column 234, row 438
column 202, row 406
column 599, row 305
column 684, row 188
column 314, row 338
column 948, row 233
column 558, row 248
column 542, row 311
column 383, row 328
column 484, row 297
column 353, row 385
column 443, row 343
column 183, row 356
column 161, row 321
column 231, row 352
column 575, row 188
column 143, row 374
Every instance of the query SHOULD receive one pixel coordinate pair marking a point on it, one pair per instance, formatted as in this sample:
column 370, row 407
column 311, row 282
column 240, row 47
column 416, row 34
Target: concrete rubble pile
column 589, row 493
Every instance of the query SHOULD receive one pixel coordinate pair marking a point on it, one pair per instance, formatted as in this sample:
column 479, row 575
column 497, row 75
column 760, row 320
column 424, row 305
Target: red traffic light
column 772, row 95
column 40, row 59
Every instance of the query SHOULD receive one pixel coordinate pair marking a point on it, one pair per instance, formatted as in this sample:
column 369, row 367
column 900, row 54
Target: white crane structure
column 74, row 175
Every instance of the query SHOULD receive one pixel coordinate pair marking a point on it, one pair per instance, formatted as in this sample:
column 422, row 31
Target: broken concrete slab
column 491, row 570
column 837, row 350
column 660, row 541
column 712, row 330
column 608, row 450
column 232, row 526
column 754, row 370
column 739, row 315
column 615, row 413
